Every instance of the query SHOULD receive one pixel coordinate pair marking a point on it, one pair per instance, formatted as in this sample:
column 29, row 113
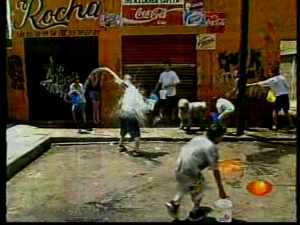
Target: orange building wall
column 270, row 22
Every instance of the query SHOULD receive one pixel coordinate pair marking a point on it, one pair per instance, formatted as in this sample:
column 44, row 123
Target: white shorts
column 188, row 184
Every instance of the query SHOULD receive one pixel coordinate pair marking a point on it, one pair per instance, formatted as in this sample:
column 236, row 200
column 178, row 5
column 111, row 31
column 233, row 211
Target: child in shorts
column 78, row 101
column 131, row 115
column 201, row 152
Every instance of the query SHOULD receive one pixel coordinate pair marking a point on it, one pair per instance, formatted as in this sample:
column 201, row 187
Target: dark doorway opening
column 57, row 59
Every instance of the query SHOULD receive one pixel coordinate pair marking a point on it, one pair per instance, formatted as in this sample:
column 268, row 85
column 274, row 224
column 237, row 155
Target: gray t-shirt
column 196, row 155
column 223, row 105
column 278, row 83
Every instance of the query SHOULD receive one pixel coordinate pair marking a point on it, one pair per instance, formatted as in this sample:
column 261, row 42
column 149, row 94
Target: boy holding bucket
column 201, row 152
column 76, row 94
column 168, row 80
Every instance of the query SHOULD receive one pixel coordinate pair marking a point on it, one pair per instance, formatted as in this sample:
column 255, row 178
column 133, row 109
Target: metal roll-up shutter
column 142, row 57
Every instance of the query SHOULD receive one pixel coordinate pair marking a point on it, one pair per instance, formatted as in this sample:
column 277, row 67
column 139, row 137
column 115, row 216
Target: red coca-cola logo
column 156, row 13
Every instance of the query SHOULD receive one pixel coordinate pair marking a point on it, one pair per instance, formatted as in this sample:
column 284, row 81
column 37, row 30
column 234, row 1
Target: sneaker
column 89, row 129
column 156, row 120
column 172, row 209
column 274, row 128
column 122, row 148
column 196, row 215
column 135, row 153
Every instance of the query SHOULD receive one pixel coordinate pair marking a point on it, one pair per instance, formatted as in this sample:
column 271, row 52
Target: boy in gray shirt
column 201, row 152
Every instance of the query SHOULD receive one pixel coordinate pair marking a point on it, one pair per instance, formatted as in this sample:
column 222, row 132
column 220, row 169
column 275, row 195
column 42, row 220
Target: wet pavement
column 21, row 139
column 94, row 182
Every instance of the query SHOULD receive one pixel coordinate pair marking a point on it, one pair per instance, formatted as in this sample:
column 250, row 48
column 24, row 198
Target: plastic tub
column 223, row 208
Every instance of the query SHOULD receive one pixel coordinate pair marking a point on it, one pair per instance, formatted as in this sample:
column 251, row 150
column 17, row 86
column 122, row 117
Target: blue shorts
column 79, row 106
column 215, row 116
column 94, row 95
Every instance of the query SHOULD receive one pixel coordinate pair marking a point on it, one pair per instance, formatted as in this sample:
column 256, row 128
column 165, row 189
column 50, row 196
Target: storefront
column 143, row 58
column 61, row 38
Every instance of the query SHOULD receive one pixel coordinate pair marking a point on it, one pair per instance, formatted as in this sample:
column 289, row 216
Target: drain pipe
column 242, row 98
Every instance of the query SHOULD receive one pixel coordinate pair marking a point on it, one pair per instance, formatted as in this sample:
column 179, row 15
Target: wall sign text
column 41, row 18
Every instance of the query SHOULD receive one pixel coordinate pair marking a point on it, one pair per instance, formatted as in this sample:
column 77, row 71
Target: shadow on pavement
column 194, row 131
column 151, row 156
column 272, row 156
column 206, row 220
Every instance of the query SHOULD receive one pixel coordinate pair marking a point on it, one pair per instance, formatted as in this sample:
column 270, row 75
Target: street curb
column 167, row 139
column 18, row 164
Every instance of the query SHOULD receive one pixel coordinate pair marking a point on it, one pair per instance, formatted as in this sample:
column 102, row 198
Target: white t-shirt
column 133, row 102
column 278, row 83
column 196, row 155
column 168, row 78
column 196, row 106
column 223, row 104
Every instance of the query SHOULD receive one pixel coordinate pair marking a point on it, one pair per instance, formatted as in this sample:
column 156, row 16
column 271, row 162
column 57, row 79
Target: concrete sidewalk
column 25, row 143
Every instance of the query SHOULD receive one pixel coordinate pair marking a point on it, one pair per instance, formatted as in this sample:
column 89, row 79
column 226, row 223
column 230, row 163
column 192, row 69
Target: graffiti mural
column 227, row 77
column 228, row 61
column 57, row 79
column 15, row 72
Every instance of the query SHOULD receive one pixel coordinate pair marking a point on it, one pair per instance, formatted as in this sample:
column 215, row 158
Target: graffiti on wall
column 228, row 75
column 57, row 79
column 229, row 61
column 15, row 72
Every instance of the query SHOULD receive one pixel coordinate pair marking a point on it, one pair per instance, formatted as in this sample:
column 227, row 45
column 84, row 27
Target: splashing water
column 118, row 80
column 132, row 103
column 57, row 81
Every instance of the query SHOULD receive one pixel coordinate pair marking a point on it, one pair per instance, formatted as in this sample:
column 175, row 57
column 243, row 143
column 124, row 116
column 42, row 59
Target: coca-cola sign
column 152, row 15
column 215, row 22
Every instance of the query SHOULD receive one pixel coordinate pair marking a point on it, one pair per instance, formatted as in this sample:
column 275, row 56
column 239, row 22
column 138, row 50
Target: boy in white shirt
column 168, row 80
column 201, row 152
column 280, row 86
column 225, row 109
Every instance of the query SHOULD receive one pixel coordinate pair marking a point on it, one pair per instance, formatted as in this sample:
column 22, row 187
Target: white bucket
column 151, row 104
column 223, row 209
column 162, row 94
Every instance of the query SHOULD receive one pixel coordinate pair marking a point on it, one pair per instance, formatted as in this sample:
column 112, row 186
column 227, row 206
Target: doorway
column 51, row 65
